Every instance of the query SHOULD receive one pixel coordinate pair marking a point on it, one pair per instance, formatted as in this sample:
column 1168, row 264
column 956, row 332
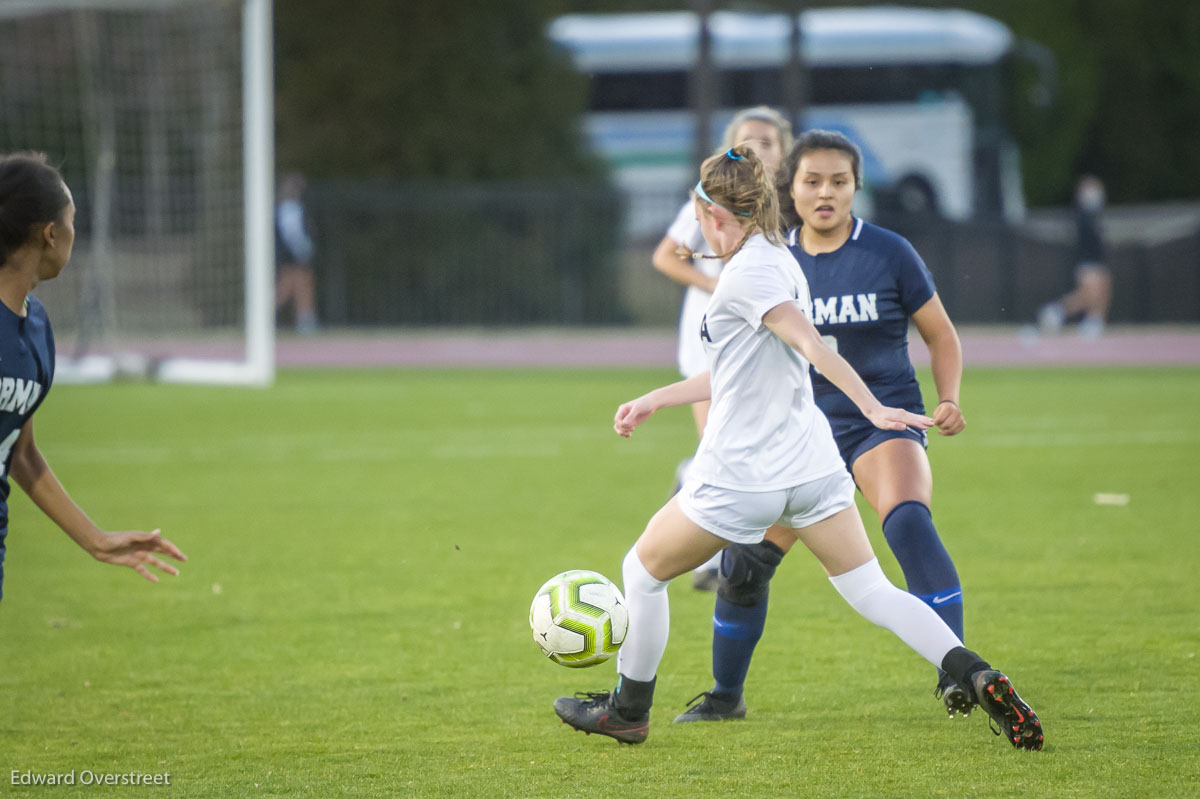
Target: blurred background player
column 767, row 458
column 37, row 233
column 867, row 284
column 769, row 134
column 1092, row 294
column 293, row 255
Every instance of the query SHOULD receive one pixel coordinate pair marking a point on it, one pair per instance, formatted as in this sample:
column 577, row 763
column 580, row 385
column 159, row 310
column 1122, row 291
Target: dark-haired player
column 867, row 284
column 767, row 460
column 37, row 232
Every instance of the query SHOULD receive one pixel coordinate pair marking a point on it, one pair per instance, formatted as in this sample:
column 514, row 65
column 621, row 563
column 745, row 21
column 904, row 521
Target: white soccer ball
column 579, row 618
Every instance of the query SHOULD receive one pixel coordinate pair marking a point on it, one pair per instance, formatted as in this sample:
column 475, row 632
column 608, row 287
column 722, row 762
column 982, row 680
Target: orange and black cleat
column 1008, row 711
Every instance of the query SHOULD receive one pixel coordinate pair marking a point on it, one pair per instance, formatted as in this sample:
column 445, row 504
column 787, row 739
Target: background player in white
column 37, row 233
column 769, row 134
column 767, row 457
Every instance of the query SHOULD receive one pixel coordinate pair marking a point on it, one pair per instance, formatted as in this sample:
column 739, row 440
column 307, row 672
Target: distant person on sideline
column 1092, row 294
column 37, row 233
column 293, row 255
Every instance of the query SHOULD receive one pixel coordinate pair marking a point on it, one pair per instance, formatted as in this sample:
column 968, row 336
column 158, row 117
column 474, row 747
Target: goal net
column 158, row 113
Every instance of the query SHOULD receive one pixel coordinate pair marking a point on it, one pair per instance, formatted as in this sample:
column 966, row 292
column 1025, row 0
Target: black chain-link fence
column 517, row 254
column 995, row 272
column 445, row 254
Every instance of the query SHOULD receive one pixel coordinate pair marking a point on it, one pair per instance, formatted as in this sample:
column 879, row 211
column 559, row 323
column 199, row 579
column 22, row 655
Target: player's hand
column 631, row 414
column 886, row 418
column 949, row 419
column 138, row 550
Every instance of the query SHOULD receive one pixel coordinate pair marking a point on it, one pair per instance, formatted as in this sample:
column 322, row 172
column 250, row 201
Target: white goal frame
column 257, row 367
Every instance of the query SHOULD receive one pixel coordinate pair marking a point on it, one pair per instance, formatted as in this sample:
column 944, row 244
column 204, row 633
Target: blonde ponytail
column 737, row 181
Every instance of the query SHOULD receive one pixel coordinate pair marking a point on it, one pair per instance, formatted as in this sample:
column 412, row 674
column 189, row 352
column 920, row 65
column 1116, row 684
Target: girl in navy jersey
column 867, row 284
column 37, row 232
column 767, row 458
column 769, row 134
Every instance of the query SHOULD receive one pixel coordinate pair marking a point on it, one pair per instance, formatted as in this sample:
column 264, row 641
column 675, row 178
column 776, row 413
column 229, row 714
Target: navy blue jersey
column 863, row 294
column 1089, row 244
column 26, row 371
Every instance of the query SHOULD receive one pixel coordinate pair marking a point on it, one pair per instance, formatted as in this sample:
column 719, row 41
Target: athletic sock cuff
column 633, row 698
column 961, row 663
column 634, row 571
column 860, row 582
column 916, row 502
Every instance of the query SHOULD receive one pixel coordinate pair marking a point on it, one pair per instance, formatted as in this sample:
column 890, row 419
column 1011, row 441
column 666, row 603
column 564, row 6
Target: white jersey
column 292, row 231
column 685, row 230
column 764, row 430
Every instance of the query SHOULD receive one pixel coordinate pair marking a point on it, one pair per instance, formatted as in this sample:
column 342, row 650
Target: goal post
column 160, row 115
column 258, row 178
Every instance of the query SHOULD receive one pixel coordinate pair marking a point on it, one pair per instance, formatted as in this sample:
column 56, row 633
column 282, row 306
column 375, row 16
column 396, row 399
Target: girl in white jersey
column 769, row 134
column 767, row 457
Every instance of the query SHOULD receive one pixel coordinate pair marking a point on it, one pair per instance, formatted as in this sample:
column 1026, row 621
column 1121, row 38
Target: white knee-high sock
column 868, row 591
column 649, row 621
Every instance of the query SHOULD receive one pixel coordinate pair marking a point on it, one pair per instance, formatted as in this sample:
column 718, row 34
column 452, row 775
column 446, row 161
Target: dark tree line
column 1128, row 106
column 468, row 89
column 410, row 89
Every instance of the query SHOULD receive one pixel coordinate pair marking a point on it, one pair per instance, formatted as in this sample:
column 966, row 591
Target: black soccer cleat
column 712, row 708
column 596, row 712
column 958, row 700
column 1008, row 711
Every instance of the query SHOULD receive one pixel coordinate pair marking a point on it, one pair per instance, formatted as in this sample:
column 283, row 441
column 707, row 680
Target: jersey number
column 5, row 448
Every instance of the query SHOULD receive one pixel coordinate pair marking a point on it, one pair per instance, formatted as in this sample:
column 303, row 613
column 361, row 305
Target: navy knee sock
column 736, row 630
column 928, row 570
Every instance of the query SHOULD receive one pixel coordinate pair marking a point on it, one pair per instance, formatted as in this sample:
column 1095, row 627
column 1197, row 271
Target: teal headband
column 703, row 195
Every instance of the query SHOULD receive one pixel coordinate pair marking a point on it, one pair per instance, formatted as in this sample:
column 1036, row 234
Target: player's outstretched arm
column 945, row 361
column 135, row 549
column 790, row 324
column 633, row 413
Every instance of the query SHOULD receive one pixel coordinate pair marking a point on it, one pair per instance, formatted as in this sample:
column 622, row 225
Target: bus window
column 923, row 92
column 638, row 91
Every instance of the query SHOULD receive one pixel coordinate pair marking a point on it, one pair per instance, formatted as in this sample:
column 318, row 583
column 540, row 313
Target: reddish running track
column 602, row 347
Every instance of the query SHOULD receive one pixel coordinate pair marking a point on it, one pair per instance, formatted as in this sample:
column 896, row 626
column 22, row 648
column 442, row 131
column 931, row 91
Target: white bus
column 921, row 91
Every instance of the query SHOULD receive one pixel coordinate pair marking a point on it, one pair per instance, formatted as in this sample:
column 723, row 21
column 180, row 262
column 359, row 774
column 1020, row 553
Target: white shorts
column 744, row 516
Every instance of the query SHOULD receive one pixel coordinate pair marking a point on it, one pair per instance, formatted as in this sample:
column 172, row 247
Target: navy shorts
column 853, row 439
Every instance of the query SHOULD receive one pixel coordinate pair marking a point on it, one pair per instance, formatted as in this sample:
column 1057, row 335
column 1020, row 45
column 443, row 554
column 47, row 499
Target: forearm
column 946, row 363
column 685, row 392
column 35, row 477
column 795, row 329
column 837, row 371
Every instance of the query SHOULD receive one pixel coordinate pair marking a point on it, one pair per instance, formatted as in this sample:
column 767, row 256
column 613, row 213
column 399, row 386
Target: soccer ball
column 579, row 618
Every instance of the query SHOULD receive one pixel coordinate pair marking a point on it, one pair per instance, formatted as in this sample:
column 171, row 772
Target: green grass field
column 364, row 547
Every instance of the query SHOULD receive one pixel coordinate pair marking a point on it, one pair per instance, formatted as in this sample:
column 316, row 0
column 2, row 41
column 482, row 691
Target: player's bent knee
column 746, row 572
column 636, row 576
